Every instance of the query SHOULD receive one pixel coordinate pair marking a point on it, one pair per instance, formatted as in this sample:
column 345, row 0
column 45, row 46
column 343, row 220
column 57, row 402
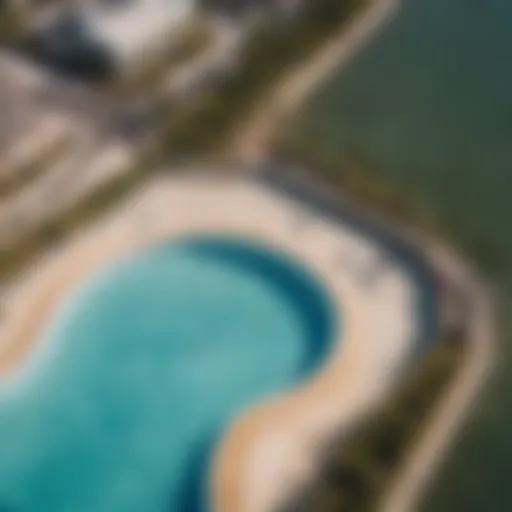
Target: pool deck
column 271, row 450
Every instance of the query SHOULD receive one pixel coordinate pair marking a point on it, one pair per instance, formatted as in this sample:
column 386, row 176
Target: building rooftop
column 129, row 27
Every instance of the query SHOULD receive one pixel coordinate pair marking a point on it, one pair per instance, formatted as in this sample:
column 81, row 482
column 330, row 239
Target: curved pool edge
column 267, row 427
column 244, row 207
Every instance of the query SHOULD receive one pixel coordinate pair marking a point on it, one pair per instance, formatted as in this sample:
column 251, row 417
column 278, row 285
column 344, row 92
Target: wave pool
column 145, row 365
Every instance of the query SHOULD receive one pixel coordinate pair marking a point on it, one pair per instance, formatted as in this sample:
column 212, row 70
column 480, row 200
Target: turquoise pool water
column 150, row 360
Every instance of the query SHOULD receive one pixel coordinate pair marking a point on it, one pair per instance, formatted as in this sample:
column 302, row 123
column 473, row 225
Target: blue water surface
column 150, row 360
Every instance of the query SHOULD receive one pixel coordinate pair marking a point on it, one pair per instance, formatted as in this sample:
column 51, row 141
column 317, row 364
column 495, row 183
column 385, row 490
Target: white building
column 118, row 35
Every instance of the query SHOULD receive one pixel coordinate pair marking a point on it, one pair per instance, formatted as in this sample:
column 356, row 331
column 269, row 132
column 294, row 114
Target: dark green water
column 428, row 104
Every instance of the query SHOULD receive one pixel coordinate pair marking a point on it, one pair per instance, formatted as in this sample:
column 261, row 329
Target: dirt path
column 285, row 99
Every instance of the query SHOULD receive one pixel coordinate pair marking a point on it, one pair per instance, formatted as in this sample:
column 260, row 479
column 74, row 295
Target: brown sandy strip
column 234, row 454
column 321, row 396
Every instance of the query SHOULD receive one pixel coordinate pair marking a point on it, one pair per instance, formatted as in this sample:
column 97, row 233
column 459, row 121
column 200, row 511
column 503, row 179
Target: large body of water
column 428, row 104
column 145, row 365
